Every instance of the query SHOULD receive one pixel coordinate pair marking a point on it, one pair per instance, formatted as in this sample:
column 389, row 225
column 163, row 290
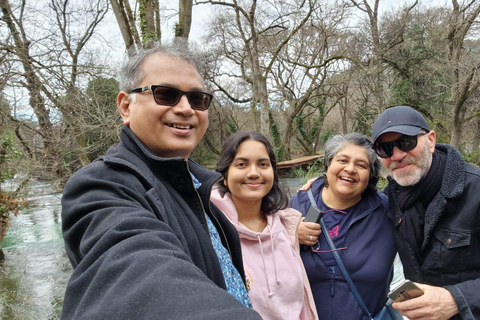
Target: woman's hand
column 308, row 233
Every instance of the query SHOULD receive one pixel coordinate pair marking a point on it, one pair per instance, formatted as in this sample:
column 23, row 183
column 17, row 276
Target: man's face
column 408, row 168
column 169, row 131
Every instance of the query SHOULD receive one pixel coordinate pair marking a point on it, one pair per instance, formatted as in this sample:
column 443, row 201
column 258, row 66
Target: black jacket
column 136, row 235
column 452, row 236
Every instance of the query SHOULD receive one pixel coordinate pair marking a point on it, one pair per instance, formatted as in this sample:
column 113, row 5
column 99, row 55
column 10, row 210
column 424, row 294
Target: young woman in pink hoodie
column 251, row 197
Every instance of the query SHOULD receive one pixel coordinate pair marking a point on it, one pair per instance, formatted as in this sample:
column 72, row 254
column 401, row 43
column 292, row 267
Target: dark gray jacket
column 452, row 236
column 136, row 234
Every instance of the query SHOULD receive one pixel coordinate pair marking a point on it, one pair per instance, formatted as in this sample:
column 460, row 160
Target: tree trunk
column 148, row 12
column 123, row 23
column 126, row 23
column 456, row 138
column 476, row 139
column 262, row 95
column 182, row 29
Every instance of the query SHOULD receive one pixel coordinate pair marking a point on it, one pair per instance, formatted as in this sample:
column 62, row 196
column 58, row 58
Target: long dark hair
column 277, row 198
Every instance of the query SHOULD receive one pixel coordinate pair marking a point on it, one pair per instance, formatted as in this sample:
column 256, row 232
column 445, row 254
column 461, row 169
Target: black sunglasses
column 404, row 143
column 169, row 96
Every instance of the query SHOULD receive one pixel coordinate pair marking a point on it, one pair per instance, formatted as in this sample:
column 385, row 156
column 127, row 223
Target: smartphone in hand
column 313, row 215
column 404, row 291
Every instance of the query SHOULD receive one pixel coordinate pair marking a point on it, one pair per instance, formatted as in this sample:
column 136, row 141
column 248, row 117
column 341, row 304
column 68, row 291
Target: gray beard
column 423, row 164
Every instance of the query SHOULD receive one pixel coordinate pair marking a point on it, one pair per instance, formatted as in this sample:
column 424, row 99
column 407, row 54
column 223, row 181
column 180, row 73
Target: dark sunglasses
column 169, row 96
column 404, row 143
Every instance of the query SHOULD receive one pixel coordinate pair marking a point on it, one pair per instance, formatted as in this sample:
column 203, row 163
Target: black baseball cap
column 400, row 119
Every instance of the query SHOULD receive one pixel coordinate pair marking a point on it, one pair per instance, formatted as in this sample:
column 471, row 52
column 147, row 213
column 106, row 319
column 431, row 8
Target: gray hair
column 336, row 143
column 132, row 74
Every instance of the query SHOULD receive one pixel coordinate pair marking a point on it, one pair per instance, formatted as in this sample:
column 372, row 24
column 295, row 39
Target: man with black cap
column 435, row 208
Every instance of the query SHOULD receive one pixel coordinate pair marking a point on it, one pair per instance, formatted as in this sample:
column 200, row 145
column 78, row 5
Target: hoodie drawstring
column 270, row 292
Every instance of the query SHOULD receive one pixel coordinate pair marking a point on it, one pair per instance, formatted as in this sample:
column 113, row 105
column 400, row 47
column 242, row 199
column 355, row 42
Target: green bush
column 7, row 154
column 472, row 157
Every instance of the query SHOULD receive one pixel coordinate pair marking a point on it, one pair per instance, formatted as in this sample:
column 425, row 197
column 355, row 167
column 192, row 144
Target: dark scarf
column 414, row 200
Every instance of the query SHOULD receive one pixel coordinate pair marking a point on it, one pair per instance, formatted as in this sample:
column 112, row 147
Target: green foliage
column 104, row 90
column 100, row 116
column 148, row 38
column 204, row 155
column 7, row 154
column 317, row 124
column 277, row 139
column 309, row 130
column 231, row 126
column 382, row 183
column 315, row 170
column 422, row 72
column 299, row 124
column 327, row 135
column 9, row 203
column 472, row 157
column 401, row 93
column 364, row 117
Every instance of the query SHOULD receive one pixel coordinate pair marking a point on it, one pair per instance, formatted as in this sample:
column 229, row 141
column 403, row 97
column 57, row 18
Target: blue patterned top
column 233, row 280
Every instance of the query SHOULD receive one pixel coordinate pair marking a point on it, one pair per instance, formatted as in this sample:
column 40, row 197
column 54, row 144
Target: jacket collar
column 454, row 177
column 135, row 156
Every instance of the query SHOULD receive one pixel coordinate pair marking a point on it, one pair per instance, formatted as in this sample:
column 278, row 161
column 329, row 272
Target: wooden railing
column 299, row 162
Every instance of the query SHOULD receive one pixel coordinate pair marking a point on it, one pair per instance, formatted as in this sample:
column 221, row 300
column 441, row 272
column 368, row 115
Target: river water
column 36, row 270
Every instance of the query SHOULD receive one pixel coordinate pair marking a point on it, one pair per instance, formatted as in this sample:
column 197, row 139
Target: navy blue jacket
column 136, row 235
column 369, row 259
column 451, row 245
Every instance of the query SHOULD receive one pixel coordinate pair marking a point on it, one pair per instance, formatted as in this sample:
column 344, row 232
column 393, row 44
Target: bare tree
column 253, row 36
column 33, row 83
column 306, row 77
column 74, row 49
column 464, row 66
column 49, row 65
column 381, row 45
column 436, row 68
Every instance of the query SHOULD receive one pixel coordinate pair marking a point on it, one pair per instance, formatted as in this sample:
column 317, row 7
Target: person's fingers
column 308, row 233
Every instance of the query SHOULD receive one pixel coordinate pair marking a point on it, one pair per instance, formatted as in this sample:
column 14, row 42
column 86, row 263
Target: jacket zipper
column 332, row 280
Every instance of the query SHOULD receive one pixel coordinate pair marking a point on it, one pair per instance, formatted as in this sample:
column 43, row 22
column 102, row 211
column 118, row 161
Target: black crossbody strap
column 339, row 261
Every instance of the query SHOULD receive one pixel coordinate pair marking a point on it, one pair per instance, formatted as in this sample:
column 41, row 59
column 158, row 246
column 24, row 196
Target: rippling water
column 35, row 271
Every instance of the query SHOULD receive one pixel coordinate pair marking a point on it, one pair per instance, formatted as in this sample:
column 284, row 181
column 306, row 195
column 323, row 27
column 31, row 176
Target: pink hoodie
column 276, row 280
